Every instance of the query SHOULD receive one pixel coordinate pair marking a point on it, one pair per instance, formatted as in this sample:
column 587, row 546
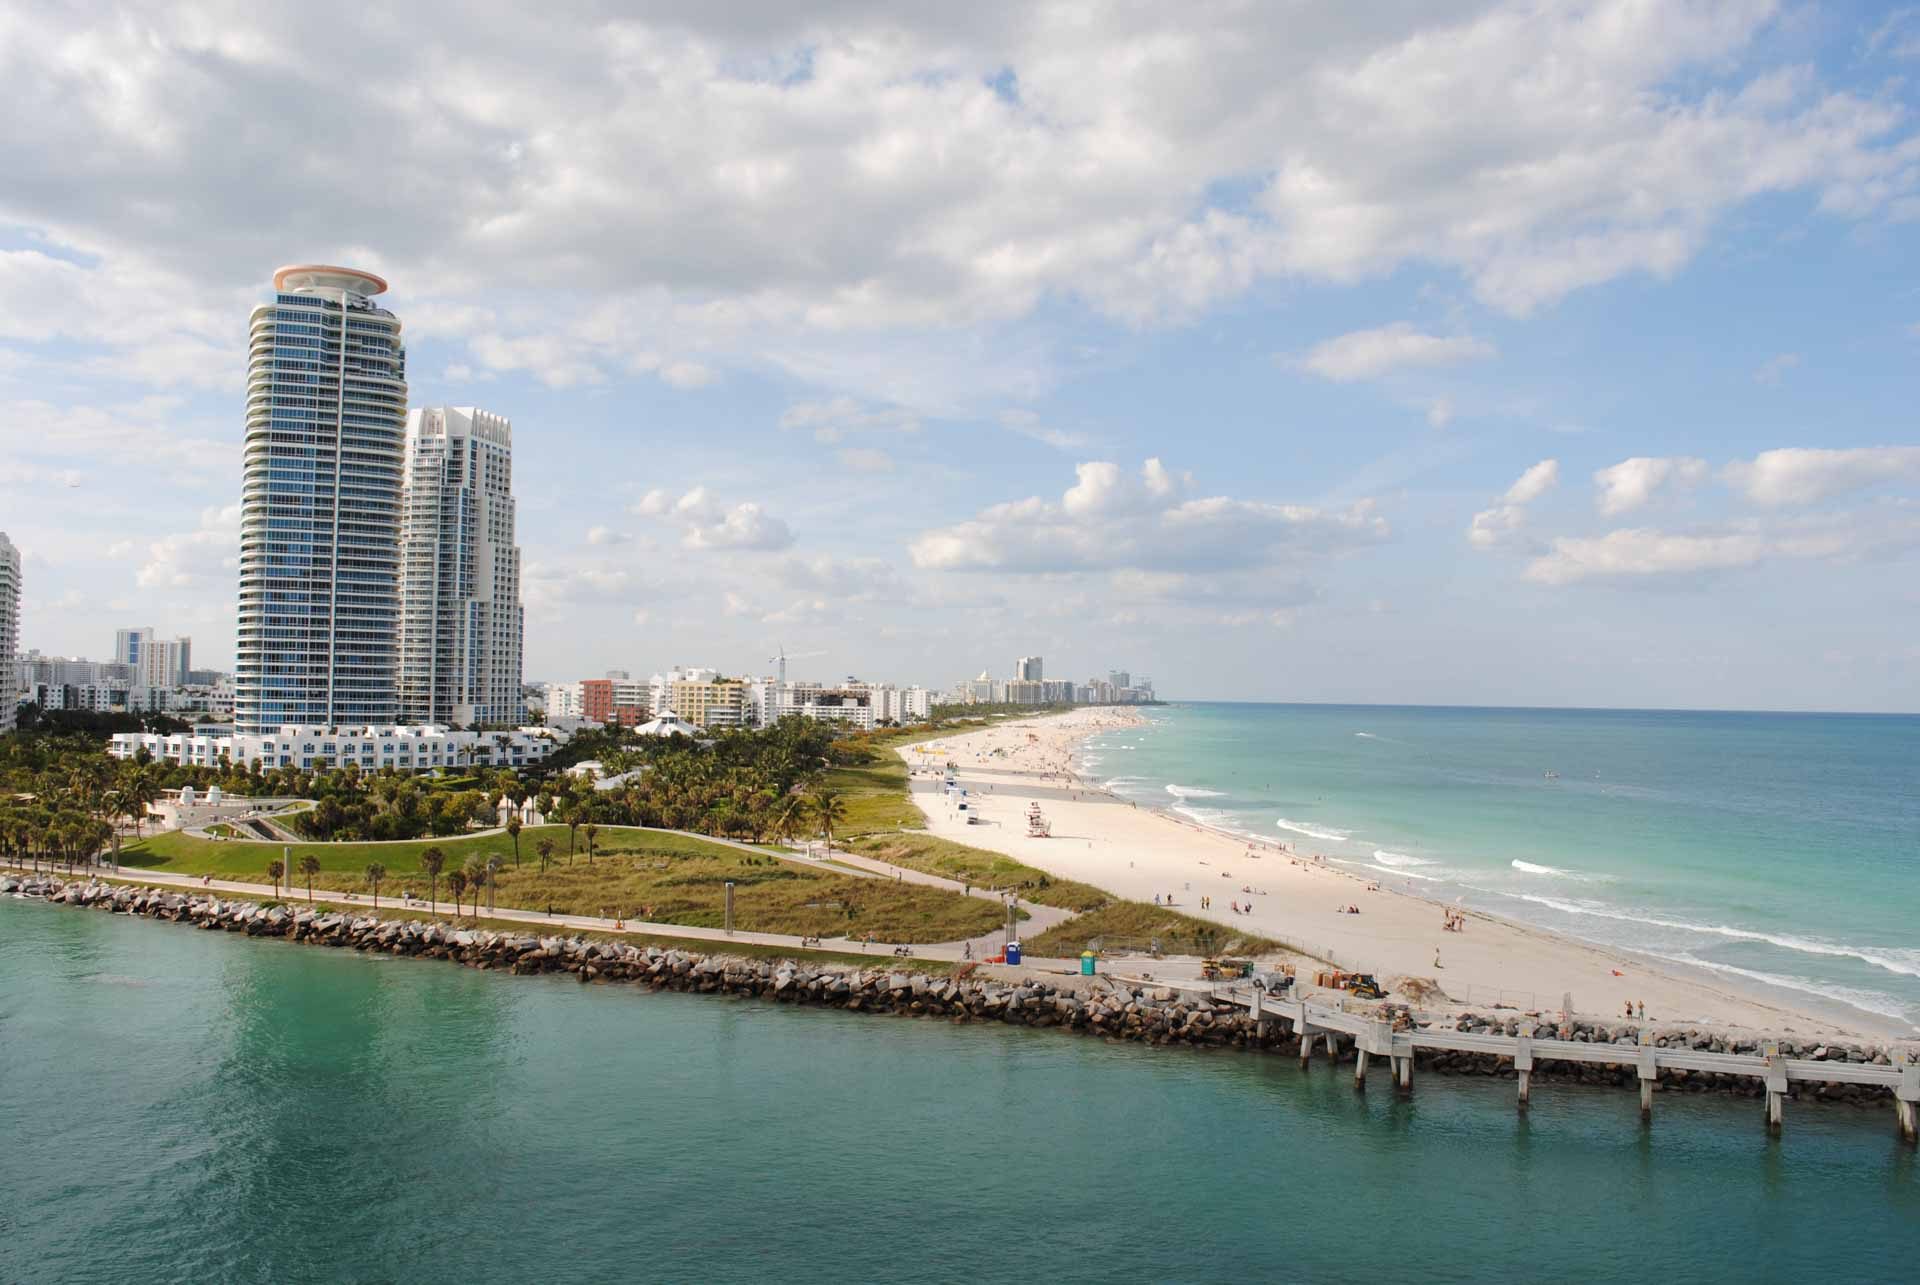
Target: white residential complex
column 9, row 629
column 462, row 626
column 320, row 505
column 1029, row 687
column 405, row 749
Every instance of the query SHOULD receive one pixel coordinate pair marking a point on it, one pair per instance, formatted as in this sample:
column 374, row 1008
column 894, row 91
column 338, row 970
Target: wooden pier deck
column 1373, row 1037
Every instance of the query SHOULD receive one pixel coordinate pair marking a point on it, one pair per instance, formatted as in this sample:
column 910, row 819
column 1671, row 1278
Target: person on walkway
column 1436, row 957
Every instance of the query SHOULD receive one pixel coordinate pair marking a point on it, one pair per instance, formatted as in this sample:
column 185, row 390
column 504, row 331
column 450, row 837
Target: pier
column 1374, row 1037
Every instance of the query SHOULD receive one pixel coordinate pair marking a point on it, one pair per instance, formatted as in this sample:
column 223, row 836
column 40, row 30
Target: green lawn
column 979, row 867
column 682, row 880
column 1135, row 924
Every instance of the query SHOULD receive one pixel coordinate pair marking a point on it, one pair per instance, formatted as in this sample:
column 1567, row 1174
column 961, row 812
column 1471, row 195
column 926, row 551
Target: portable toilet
column 1087, row 961
column 1013, row 952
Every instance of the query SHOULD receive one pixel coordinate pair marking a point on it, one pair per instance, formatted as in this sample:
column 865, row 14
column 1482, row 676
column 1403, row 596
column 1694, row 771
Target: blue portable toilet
column 1013, row 952
column 1087, row 961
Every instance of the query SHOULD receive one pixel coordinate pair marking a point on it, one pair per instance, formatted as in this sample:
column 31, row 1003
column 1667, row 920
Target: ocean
column 1779, row 851
column 187, row 1106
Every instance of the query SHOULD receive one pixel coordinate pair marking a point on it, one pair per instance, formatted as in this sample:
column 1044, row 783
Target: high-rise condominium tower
column 9, row 627
column 153, row 662
column 1028, row 669
column 461, row 621
column 320, row 505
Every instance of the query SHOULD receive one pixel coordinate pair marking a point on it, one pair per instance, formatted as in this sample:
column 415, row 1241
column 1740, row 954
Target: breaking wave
column 1194, row 792
column 1312, row 831
column 1399, row 860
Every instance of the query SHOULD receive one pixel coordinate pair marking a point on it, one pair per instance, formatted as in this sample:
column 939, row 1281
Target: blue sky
column 1557, row 354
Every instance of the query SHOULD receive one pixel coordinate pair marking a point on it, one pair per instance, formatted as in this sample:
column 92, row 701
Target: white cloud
column 1631, row 483
column 1440, row 412
column 604, row 536
column 743, row 189
column 1110, row 519
column 1805, row 475
column 1775, row 366
column 831, row 420
column 207, row 555
column 1368, row 354
column 708, row 523
column 1643, row 552
column 1494, row 526
column 1027, row 424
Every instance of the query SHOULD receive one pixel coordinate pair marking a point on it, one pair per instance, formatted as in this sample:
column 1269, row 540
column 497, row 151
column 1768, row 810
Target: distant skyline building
column 462, row 626
column 319, row 609
column 9, row 629
column 151, row 661
column 1028, row 669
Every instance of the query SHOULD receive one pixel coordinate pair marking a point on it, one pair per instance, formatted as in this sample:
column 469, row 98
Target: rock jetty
column 1088, row 1006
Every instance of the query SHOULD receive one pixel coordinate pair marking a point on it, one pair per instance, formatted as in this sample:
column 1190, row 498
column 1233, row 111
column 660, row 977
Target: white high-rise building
column 153, row 662
column 9, row 629
column 1028, row 669
column 320, row 505
column 461, row 620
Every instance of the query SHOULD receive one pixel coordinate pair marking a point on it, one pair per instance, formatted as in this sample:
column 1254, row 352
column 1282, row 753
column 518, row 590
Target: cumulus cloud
column 1632, row 482
column 1111, row 519
column 1494, row 526
column 708, row 523
column 191, row 559
column 604, row 536
column 1642, row 553
column 1805, row 475
column 739, row 183
column 1774, row 367
column 1368, row 354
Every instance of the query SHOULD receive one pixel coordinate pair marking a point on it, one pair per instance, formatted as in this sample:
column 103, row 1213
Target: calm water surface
column 180, row 1106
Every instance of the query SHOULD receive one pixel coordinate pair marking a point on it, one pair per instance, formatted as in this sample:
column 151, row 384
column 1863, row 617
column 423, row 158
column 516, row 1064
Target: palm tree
column 513, row 832
column 476, row 872
column 828, row 807
column 309, row 866
column 545, row 849
column 592, row 830
column 375, row 873
column 456, row 884
column 276, row 871
column 573, row 819
column 493, row 869
column 433, row 861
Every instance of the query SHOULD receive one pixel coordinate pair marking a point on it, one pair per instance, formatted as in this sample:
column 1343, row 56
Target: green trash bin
column 1087, row 961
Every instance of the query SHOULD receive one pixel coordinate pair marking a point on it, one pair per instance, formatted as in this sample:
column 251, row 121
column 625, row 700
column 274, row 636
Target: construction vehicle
column 1215, row 969
column 1363, row 986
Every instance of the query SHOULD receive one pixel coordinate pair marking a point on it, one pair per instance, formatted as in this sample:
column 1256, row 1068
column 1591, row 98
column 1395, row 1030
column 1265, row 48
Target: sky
column 1480, row 353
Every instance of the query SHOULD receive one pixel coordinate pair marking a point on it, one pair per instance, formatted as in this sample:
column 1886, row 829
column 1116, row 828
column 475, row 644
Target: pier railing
column 1373, row 1035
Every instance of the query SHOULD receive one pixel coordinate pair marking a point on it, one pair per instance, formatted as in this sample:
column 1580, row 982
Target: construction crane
column 782, row 657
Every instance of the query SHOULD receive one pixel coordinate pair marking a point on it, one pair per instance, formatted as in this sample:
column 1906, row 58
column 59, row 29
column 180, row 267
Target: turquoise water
column 1780, row 850
column 181, row 1106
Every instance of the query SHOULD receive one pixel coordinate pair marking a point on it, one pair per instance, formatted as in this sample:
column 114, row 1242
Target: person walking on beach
column 1436, row 957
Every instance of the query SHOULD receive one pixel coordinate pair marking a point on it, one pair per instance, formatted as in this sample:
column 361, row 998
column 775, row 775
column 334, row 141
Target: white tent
column 667, row 725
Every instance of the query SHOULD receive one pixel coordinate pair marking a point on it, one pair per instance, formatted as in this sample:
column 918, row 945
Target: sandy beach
column 1139, row 853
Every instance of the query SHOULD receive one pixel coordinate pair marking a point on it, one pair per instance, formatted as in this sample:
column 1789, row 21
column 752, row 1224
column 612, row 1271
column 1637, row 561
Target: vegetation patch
column 1133, row 925
column 981, row 868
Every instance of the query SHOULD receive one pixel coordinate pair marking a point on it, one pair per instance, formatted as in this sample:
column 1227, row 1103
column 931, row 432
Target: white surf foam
column 1871, row 1001
column 1528, row 867
column 1366, row 736
column 1399, row 859
column 1892, row 959
column 1194, row 792
column 1313, row 831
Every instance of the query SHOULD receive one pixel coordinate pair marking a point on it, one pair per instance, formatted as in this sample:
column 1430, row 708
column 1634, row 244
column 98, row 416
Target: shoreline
column 1143, row 850
column 1102, row 1007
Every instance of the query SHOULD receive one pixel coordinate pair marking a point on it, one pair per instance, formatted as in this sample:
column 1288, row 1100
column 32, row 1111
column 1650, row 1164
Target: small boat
column 1553, row 776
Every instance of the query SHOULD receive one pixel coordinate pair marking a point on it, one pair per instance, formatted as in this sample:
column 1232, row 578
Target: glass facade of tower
column 461, row 622
column 320, row 506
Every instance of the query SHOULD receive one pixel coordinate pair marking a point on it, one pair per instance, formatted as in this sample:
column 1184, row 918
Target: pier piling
column 1776, row 1078
column 1405, row 1070
column 1906, row 1097
column 1649, row 1067
column 1523, row 1063
column 1360, row 1068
